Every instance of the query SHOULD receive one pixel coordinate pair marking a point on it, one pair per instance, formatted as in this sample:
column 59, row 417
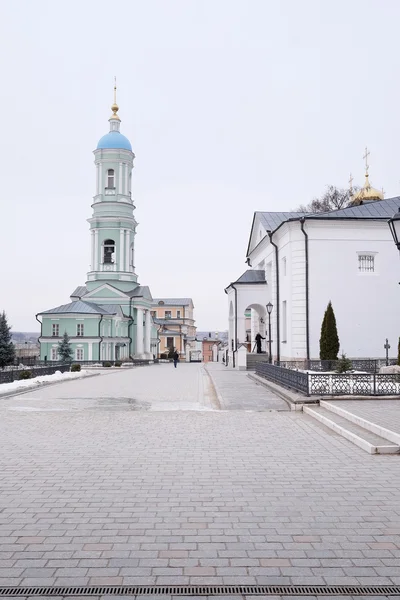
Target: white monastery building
column 299, row 262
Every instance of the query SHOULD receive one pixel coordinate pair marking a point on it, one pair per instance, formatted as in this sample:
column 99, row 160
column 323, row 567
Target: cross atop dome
column 115, row 107
column 114, row 138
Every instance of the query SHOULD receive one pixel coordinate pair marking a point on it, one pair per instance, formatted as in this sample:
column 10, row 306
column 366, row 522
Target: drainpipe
column 100, row 336
column 302, row 221
column 41, row 330
column 278, row 336
column 129, row 327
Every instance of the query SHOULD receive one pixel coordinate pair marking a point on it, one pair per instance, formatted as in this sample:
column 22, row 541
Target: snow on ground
column 40, row 380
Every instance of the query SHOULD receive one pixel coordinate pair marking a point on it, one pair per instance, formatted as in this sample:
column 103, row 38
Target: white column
column 127, row 246
column 121, row 250
column 147, row 332
column 90, row 351
column 92, row 250
column 96, row 250
column 120, row 179
column 241, row 329
column 101, row 183
column 97, row 178
column 126, row 179
column 139, row 332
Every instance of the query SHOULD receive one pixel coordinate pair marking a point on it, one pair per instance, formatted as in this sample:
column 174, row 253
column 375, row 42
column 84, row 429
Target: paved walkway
column 100, row 485
column 237, row 391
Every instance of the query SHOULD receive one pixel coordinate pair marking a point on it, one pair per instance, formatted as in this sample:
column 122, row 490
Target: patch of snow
column 40, row 380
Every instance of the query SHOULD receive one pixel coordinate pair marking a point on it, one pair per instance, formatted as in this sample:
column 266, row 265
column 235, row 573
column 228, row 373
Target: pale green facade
column 109, row 317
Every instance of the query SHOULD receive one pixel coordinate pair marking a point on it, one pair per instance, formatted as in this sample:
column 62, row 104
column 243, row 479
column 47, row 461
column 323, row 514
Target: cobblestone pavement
column 111, row 495
column 385, row 413
column 238, row 392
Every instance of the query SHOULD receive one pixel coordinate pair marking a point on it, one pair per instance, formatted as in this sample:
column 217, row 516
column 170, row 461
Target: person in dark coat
column 259, row 337
column 176, row 358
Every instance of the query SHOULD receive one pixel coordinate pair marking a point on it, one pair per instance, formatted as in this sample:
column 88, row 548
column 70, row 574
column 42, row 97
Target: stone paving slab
column 236, row 391
column 385, row 413
column 99, row 493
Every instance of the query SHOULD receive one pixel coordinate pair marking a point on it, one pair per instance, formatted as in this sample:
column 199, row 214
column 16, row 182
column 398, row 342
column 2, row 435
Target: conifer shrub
column 329, row 340
column 117, row 363
column 344, row 364
column 25, row 374
column 106, row 364
column 75, row 368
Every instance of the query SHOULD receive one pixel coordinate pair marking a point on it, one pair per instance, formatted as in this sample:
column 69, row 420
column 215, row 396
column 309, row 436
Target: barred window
column 79, row 329
column 366, row 263
column 55, row 330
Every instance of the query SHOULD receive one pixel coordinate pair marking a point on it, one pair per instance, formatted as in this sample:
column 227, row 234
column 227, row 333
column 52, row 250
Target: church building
column 109, row 317
column 298, row 262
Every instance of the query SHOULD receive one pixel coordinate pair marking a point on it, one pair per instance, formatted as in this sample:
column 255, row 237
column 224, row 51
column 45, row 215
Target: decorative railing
column 370, row 365
column 332, row 384
column 286, row 377
column 10, row 375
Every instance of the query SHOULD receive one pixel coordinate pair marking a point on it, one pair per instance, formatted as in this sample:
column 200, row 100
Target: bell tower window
column 110, row 178
column 109, row 252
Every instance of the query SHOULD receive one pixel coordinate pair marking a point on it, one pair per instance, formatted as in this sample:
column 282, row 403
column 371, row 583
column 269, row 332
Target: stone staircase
column 367, row 435
column 252, row 359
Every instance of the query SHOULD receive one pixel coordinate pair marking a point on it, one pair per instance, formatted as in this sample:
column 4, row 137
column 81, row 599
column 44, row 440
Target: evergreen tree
column 344, row 364
column 7, row 350
column 64, row 349
column 398, row 353
column 329, row 340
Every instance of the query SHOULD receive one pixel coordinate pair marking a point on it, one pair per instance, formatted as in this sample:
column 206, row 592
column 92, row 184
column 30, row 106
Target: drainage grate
column 204, row 590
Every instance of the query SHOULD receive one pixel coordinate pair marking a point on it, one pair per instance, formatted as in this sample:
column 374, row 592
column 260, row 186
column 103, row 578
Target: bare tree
column 332, row 199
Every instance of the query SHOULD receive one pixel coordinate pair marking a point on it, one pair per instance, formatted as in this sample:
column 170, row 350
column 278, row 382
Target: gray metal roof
column 272, row 220
column 78, row 307
column 142, row 291
column 80, row 291
column 252, row 276
column 378, row 209
column 112, row 309
column 173, row 301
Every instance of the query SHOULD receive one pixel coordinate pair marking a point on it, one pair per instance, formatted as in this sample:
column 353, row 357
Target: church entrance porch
column 247, row 298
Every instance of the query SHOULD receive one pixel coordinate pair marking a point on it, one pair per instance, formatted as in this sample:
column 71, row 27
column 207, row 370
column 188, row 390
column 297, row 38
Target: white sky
column 231, row 106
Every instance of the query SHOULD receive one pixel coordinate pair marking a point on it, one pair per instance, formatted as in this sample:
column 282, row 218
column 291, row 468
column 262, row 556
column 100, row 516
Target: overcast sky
column 231, row 107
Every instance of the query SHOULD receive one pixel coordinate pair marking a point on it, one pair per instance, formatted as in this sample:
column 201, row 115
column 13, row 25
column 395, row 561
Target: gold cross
column 367, row 153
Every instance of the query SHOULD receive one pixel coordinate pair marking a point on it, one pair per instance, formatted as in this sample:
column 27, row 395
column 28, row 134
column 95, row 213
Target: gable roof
column 173, row 301
column 79, row 307
column 141, row 291
column 377, row 209
column 80, row 291
column 252, row 276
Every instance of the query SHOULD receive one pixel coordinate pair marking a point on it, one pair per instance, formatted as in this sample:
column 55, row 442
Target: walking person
column 176, row 358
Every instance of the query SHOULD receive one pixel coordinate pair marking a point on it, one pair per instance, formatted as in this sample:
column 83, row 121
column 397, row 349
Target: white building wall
column 366, row 305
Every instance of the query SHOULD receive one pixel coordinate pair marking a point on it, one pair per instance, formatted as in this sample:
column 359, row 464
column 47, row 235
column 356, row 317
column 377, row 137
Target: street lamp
column 394, row 224
column 269, row 311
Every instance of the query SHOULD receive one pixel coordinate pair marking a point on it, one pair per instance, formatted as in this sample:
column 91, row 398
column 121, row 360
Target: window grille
column 366, row 263
column 55, row 330
column 79, row 354
column 79, row 329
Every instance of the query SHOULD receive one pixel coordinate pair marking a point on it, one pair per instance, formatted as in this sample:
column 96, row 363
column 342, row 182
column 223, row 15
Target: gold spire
column 367, row 192
column 115, row 106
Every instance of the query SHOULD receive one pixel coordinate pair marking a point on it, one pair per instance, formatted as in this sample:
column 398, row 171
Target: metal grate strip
column 204, row 590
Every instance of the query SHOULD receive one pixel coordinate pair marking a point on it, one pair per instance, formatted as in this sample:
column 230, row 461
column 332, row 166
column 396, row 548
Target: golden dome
column 367, row 192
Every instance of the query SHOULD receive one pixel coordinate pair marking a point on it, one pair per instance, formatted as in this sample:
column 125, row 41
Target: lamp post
column 394, row 224
column 269, row 311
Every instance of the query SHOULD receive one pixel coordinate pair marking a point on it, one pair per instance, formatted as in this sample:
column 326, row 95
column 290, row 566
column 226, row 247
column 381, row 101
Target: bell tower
column 113, row 225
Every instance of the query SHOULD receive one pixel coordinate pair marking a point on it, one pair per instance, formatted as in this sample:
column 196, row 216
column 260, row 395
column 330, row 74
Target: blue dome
column 114, row 139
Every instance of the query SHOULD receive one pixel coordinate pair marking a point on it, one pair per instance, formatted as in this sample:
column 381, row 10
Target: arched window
column 110, row 178
column 109, row 252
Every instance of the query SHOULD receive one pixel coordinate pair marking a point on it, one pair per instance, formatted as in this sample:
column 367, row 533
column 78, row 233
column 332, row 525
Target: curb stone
column 25, row 390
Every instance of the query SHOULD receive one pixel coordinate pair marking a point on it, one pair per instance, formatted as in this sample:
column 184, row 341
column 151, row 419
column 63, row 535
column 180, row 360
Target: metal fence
column 332, row 384
column 370, row 365
column 10, row 375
